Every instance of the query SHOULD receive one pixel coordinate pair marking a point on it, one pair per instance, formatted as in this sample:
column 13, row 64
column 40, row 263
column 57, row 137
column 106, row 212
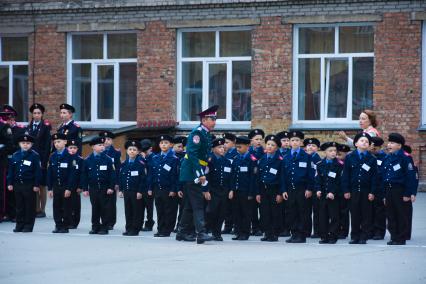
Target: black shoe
column 257, row 233
column 103, row 232
column 203, row 237
column 243, row 238
column 185, row 237
column 362, row 242
column 147, row 229
column 236, row 238
column 17, row 230
column 161, row 235
column 299, row 241
column 125, row 233
column 314, row 236
column 285, row 233
column 64, row 231
column 27, row 230
column 110, row 227
column 72, row 227
column 41, row 215
column 396, row 243
column 378, row 237
column 264, row 239
column 323, row 241
column 218, row 238
column 290, row 240
column 354, row 242
column 273, row 239
column 93, row 232
column 332, row 241
column 56, row 231
column 133, row 233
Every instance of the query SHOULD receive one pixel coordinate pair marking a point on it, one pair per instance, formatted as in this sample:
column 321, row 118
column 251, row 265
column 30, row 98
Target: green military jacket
column 197, row 151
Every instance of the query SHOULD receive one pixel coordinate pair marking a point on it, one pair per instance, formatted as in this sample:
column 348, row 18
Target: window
column 102, row 80
column 14, row 74
column 333, row 72
column 214, row 67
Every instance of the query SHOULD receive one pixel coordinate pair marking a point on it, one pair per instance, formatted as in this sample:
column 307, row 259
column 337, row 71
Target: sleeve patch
column 196, row 139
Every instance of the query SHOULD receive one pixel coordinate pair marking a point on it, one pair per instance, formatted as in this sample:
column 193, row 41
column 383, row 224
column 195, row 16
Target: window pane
column 199, row 44
column 128, row 91
column 235, row 43
column 337, row 87
column 309, row 89
column 87, row 46
column 14, row 48
column 362, row 89
column 192, row 90
column 106, row 92
column 121, row 45
column 4, row 85
column 316, row 40
column 356, row 39
column 81, row 91
column 20, row 91
column 217, row 88
column 241, row 90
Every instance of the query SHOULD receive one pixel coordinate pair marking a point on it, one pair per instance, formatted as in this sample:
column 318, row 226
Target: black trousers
column 100, row 207
column 328, row 217
column 148, row 205
column 270, row 210
column 132, row 211
column 256, row 222
column 285, row 221
column 112, row 206
column 242, row 213
column 313, row 216
column 379, row 217
column 229, row 214
column 75, row 208
column 216, row 209
column 361, row 215
column 3, row 188
column 343, row 215
column 298, row 212
column 397, row 213
column 62, row 208
column 25, row 205
column 409, row 214
column 166, row 211
column 193, row 210
column 11, row 205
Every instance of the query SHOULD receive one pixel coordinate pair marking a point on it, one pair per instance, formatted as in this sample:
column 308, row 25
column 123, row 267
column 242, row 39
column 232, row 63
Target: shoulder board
column 253, row 158
column 406, row 154
column 318, row 162
column 280, row 157
column 46, row 122
column 20, row 125
column 76, row 124
column 199, row 128
column 142, row 162
column 341, row 162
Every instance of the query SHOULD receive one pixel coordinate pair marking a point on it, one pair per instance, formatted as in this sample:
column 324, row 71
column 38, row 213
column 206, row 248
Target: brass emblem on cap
column 133, row 143
column 25, row 138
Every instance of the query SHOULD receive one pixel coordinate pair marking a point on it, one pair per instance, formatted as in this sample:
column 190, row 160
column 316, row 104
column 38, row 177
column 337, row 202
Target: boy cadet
column 69, row 127
column 40, row 129
column 77, row 163
column 399, row 180
column 60, row 178
column 297, row 182
column 243, row 187
column 98, row 182
column 342, row 151
column 179, row 143
column 327, row 186
column 270, row 189
column 230, row 153
column 133, row 184
column 6, row 145
column 312, row 146
column 379, row 210
column 23, row 178
column 359, row 184
column 285, row 147
column 115, row 155
column 219, row 185
column 409, row 205
column 284, row 136
column 147, row 199
column 163, row 182
column 256, row 137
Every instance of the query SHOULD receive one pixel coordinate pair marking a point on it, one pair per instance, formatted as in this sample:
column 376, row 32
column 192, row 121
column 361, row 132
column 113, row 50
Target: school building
column 146, row 67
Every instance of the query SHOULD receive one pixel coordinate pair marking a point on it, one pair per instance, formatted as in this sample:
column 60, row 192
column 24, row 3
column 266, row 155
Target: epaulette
column 20, row 125
column 76, row 124
column 199, row 128
column 46, row 122
column 253, row 158
column 407, row 154
column 341, row 162
column 142, row 162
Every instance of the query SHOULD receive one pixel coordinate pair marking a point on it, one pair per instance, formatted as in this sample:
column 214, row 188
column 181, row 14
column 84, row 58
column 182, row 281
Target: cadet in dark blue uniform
column 312, row 146
column 69, row 127
column 298, row 184
column 219, row 178
column 359, row 184
column 270, row 190
column 179, row 143
column 256, row 137
column 342, row 151
column 98, row 182
column 230, row 153
column 77, row 163
column 40, row 129
column 133, row 184
column 398, row 181
column 409, row 204
column 6, row 145
column 243, row 187
column 115, row 155
column 379, row 210
column 23, row 178
column 60, row 179
column 163, row 181
column 327, row 185
column 147, row 199
column 284, row 137
column 285, row 147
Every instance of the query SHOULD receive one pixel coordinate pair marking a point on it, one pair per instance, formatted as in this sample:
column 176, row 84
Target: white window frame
column 221, row 123
column 423, row 122
column 9, row 65
column 109, row 123
column 323, row 122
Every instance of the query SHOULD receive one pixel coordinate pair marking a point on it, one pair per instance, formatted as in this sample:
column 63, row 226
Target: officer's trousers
column 132, row 211
column 25, row 205
column 62, row 207
column 328, row 217
column 193, row 211
column 397, row 213
column 361, row 215
column 216, row 209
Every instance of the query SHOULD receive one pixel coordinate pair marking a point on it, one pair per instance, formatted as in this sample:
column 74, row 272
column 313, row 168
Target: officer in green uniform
column 193, row 176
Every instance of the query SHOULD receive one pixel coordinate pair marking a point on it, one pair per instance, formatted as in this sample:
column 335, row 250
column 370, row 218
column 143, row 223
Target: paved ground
column 42, row 257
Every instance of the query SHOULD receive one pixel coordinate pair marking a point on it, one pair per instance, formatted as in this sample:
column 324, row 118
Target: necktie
column 294, row 155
